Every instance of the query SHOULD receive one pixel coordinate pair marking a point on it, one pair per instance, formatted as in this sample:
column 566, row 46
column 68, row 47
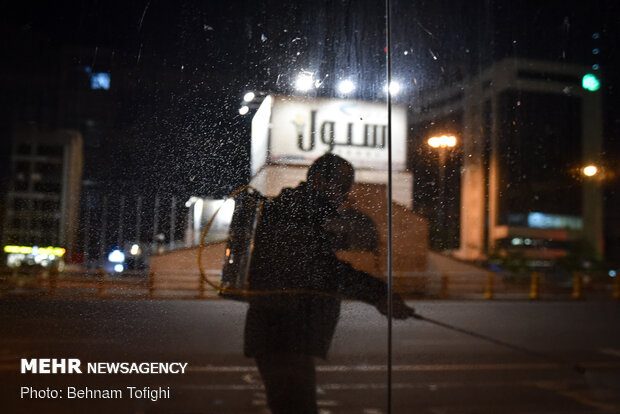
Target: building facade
column 525, row 130
column 42, row 204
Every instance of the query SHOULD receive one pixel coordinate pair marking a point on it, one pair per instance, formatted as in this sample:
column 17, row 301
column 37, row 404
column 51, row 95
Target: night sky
column 179, row 69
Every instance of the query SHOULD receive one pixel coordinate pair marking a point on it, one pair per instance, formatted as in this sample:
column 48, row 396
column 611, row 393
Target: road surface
column 435, row 370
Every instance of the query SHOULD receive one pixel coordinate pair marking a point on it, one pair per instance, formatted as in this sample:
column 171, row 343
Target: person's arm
column 363, row 286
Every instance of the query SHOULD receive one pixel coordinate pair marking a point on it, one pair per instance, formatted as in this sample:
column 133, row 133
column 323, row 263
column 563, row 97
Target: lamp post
column 442, row 143
column 252, row 101
column 592, row 207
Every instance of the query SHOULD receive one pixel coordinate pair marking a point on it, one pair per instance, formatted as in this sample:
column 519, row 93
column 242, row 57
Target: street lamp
column 346, row 86
column 593, row 181
column 590, row 170
column 305, row 81
column 442, row 143
column 249, row 97
column 393, row 89
column 252, row 100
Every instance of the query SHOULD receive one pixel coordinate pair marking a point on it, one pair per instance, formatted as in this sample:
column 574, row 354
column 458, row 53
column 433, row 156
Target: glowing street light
column 394, row 88
column 249, row 97
column 304, row 82
column 116, row 256
column 244, row 110
column 135, row 250
column 590, row 170
column 444, row 141
column 346, row 86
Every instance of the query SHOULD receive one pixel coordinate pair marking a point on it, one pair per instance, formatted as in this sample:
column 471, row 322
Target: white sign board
column 304, row 129
column 260, row 136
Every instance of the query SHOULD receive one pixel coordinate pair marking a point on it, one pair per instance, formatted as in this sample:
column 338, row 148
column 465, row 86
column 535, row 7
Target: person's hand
column 400, row 310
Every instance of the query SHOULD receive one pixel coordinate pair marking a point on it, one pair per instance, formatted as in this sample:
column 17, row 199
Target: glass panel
column 130, row 125
column 507, row 105
column 125, row 127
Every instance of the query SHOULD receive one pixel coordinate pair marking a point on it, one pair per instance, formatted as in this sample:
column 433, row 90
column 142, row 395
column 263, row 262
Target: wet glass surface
column 483, row 140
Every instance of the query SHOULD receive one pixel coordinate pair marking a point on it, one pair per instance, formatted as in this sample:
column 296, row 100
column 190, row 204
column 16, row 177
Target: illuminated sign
column 301, row 130
column 35, row 250
column 554, row 221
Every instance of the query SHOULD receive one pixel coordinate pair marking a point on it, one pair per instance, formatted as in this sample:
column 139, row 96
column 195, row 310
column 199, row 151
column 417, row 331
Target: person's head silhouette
column 332, row 176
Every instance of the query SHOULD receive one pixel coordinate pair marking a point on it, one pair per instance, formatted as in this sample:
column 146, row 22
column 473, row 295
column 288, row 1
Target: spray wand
column 541, row 355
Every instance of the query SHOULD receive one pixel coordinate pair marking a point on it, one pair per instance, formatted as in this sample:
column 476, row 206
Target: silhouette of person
column 293, row 259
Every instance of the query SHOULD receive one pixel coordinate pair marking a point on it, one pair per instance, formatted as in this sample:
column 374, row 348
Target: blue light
column 116, row 256
column 554, row 221
column 100, row 80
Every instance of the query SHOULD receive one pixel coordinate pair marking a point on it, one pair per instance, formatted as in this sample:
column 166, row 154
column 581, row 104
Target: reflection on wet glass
column 296, row 284
column 126, row 126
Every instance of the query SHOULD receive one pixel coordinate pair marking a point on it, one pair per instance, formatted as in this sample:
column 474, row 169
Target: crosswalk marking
column 610, row 351
column 414, row 367
column 578, row 396
column 554, row 386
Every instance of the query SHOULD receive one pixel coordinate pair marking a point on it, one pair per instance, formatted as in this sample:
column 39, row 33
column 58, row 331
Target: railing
column 188, row 285
column 101, row 284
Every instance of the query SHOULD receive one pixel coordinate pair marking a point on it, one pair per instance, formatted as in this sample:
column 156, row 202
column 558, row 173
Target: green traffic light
column 590, row 82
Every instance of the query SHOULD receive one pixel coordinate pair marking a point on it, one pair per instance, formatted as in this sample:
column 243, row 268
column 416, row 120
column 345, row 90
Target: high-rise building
column 42, row 203
column 514, row 183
